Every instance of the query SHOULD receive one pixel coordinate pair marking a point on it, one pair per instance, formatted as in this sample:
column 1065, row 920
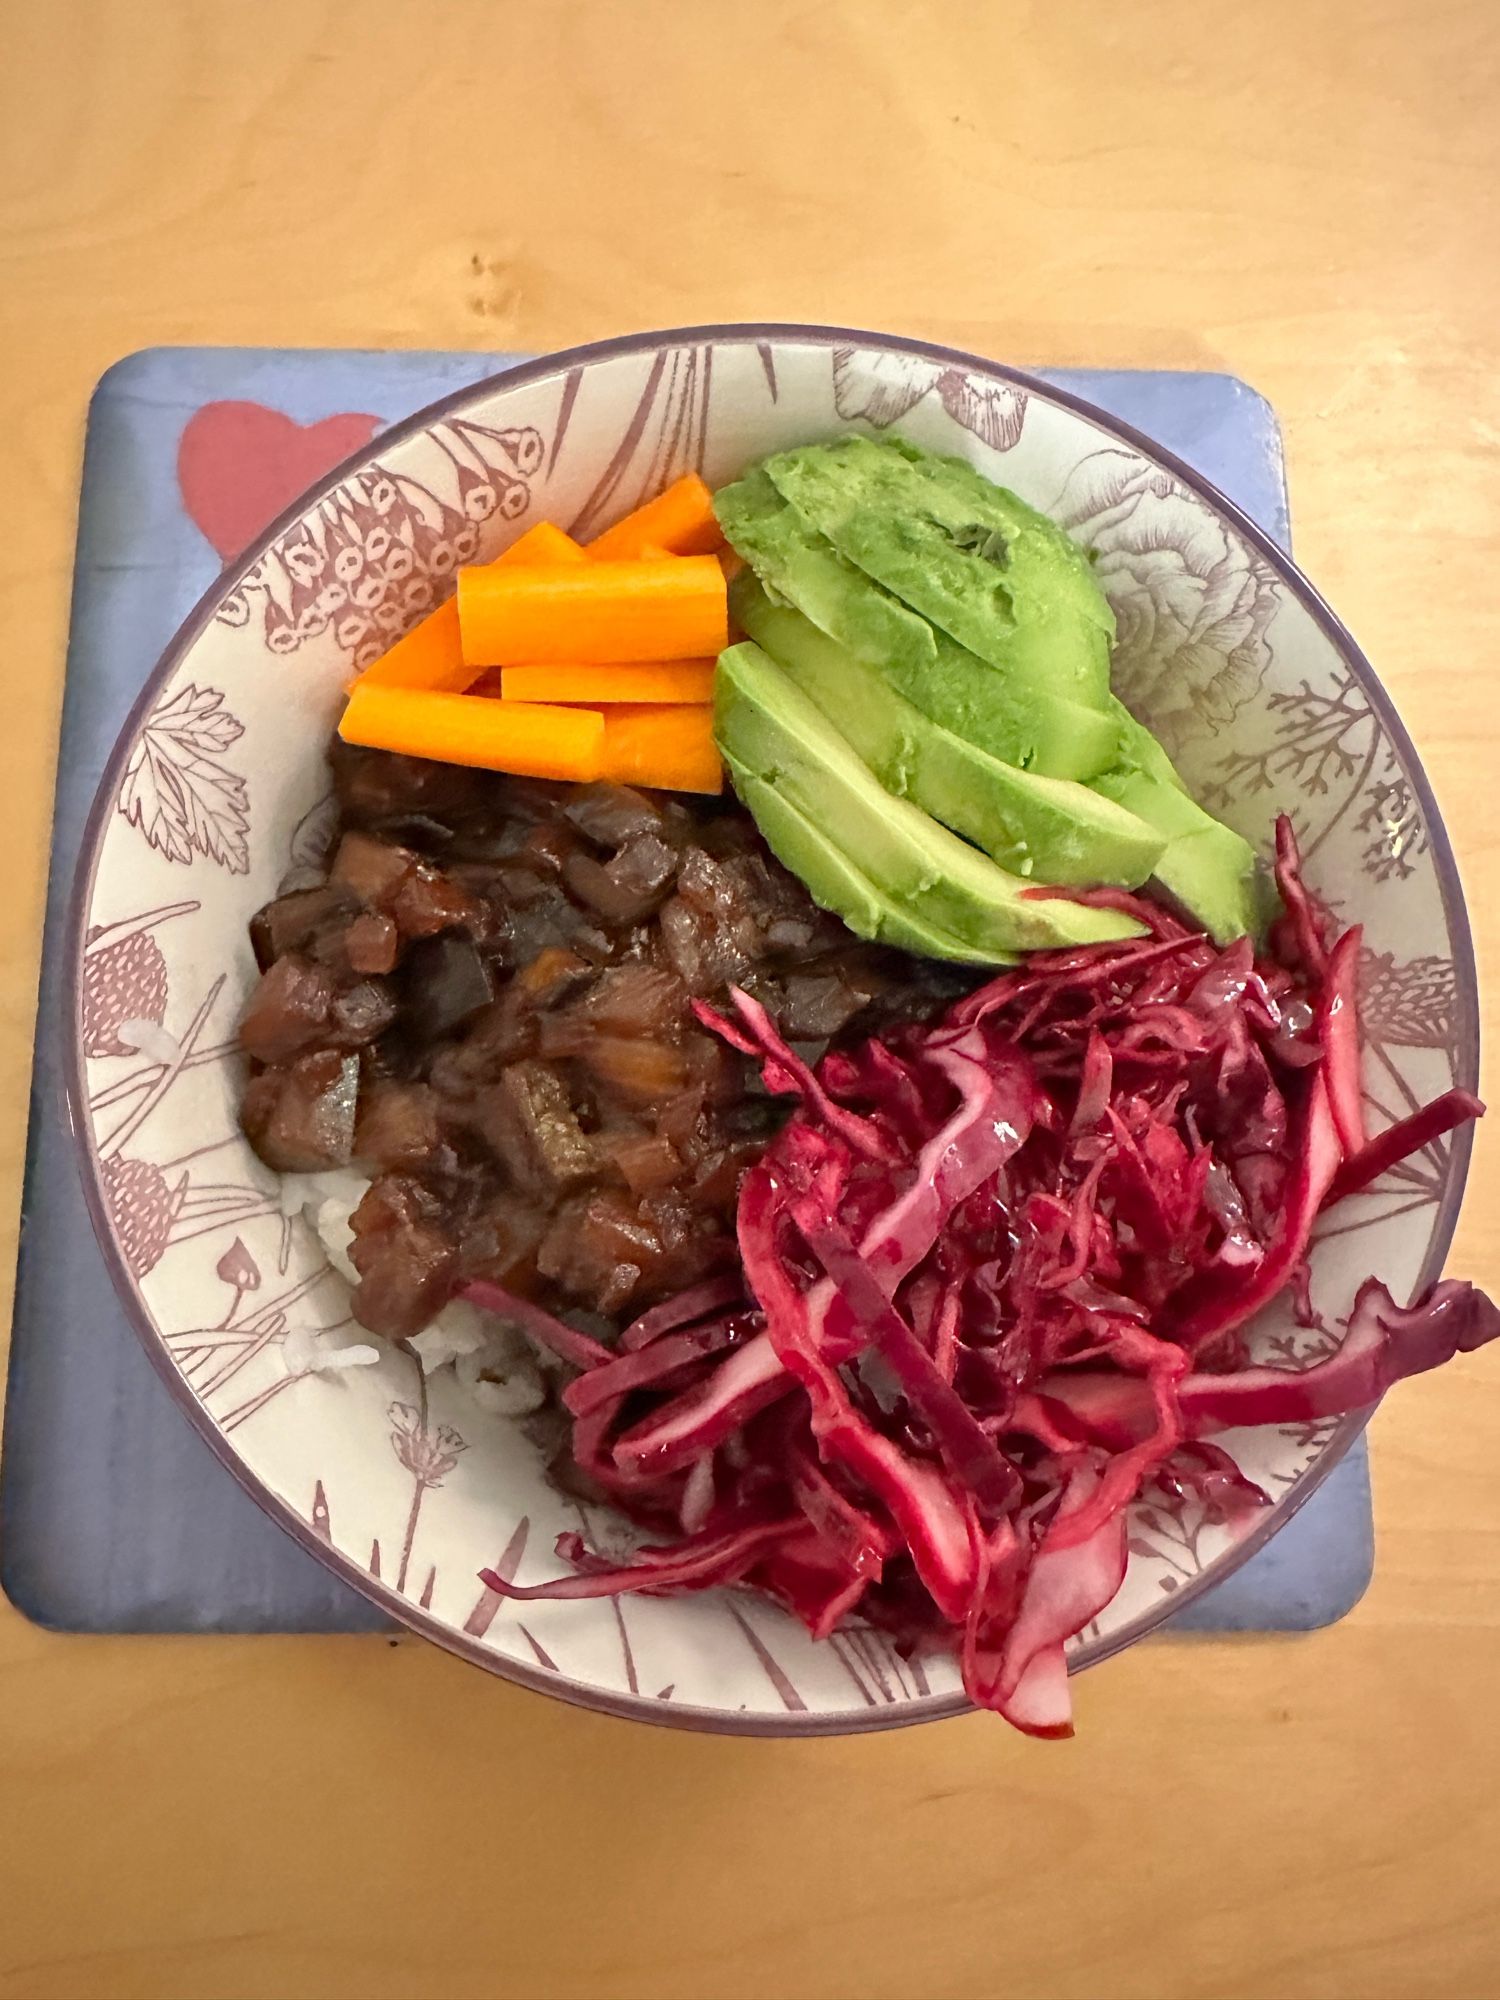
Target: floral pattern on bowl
column 215, row 799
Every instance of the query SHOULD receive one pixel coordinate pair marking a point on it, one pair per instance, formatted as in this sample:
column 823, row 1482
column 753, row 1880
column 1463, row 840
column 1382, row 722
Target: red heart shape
column 240, row 464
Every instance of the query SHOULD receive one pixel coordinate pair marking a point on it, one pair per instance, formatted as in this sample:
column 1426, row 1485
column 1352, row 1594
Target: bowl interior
column 216, row 798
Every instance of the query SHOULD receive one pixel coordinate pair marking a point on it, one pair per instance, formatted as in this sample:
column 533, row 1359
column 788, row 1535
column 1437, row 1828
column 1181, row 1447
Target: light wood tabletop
column 1302, row 194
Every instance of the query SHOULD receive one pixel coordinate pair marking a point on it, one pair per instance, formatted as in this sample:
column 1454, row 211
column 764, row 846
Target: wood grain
column 1302, row 194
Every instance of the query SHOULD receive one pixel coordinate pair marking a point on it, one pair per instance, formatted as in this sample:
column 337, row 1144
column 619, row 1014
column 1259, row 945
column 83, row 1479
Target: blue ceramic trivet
column 113, row 1515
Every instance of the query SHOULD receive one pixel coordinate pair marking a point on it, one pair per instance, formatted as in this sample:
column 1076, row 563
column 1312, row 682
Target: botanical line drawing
column 429, row 1454
column 177, row 792
column 665, row 435
column 881, row 388
column 377, row 554
column 1329, row 744
column 213, row 1358
column 1192, row 602
column 125, row 979
column 506, row 1565
column 153, row 1204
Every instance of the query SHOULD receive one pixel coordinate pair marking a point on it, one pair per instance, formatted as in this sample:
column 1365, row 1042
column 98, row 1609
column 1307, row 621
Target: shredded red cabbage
column 995, row 1278
column 579, row 1350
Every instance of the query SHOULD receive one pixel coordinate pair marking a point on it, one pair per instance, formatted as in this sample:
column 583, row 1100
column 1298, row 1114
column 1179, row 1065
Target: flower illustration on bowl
column 882, row 387
column 124, row 982
column 429, row 1454
column 1192, row 604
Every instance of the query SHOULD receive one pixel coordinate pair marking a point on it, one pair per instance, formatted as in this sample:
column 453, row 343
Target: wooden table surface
column 1301, row 193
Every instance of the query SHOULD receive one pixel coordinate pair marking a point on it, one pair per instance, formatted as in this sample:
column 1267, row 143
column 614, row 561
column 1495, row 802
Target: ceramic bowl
column 216, row 796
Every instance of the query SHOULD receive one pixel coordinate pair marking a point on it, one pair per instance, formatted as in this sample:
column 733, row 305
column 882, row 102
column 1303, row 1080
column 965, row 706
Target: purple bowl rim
column 583, row 1694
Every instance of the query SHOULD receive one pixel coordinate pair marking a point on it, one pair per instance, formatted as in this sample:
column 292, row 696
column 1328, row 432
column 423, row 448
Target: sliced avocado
column 1206, row 866
column 807, row 571
column 1203, row 872
column 1049, row 829
column 1053, row 736
column 1016, row 716
column 1000, row 578
column 1006, row 513
column 769, row 730
column 833, row 880
column 1138, row 747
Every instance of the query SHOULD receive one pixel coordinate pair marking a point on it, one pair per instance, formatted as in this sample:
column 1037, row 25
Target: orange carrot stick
column 542, row 544
column 680, row 520
column 525, row 737
column 596, row 612
column 671, row 749
column 577, row 681
column 430, row 655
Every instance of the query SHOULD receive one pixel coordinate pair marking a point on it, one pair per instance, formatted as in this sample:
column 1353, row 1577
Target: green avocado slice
column 1206, row 866
column 999, row 509
column 1004, row 710
column 1051, row 829
column 833, row 880
column 768, row 729
column 1051, row 735
column 993, row 573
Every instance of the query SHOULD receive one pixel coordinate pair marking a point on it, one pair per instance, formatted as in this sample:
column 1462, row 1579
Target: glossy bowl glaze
column 216, row 796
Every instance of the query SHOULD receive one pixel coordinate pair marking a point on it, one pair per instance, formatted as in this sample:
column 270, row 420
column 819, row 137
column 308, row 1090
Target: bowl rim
column 584, row 1694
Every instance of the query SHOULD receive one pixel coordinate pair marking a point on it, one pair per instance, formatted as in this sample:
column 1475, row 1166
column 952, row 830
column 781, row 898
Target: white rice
column 494, row 1364
column 150, row 1039
column 306, row 1352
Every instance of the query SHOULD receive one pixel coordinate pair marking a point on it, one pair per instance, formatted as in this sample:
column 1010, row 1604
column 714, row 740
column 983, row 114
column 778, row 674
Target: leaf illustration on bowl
column 1397, row 832
column 1192, row 603
column 177, row 792
column 881, row 388
column 1171, row 1532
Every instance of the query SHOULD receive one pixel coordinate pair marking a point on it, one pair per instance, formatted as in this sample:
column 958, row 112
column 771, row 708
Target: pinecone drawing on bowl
column 142, row 1209
column 125, row 996
column 123, row 981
